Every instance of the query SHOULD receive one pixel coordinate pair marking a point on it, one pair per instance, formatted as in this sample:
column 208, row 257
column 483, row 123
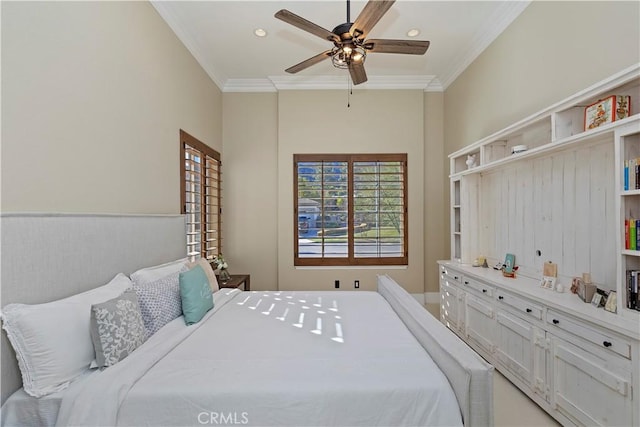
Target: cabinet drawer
column 452, row 275
column 596, row 336
column 520, row 305
column 448, row 287
column 479, row 287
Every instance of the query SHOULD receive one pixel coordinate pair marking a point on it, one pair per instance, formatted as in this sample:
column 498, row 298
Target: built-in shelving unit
column 562, row 200
column 627, row 140
column 565, row 191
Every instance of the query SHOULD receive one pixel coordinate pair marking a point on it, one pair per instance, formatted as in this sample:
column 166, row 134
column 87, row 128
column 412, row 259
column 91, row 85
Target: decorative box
column 607, row 110
column 586, row 291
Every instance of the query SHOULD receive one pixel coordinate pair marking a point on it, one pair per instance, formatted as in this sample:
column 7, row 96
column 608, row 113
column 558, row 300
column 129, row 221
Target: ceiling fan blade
column 308, row 26
column 370, row 15
column 358, row 75
column 410, row 47
column 309, row 62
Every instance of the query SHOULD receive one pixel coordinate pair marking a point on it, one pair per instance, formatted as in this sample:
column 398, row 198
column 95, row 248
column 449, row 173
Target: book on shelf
column 626, row 233
column 632, row 234
column 633, row 282
column 631, row 174
column 626, row 175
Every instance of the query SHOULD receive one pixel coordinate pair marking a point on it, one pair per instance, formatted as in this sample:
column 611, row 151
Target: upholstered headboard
column 45, row 257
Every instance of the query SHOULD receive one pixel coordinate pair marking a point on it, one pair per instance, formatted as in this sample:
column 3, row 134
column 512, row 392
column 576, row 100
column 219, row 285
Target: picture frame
column 596, row 300
column 509, row 263
column 548, row 282
column 612, row 302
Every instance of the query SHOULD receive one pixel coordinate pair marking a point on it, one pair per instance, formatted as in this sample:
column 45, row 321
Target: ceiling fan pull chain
column 349, row 92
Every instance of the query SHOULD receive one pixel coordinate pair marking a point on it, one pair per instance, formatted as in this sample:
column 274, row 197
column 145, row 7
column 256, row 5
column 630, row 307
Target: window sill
column 351, row 267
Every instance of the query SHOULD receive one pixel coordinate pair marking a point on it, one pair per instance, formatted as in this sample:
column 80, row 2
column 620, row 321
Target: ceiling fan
column 349, row 45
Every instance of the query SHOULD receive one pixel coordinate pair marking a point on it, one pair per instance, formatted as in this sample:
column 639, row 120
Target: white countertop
column 566, row 302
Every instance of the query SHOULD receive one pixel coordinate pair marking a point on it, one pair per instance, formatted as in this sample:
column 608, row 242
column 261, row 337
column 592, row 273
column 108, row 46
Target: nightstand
column 240, row 281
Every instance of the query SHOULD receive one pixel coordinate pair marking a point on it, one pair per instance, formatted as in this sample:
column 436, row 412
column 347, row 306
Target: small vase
column 224, row 276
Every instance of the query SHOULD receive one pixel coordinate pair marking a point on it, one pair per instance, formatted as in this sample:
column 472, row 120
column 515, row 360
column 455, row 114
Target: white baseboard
column 432, row 297
column 427, row 298
column 419, row 298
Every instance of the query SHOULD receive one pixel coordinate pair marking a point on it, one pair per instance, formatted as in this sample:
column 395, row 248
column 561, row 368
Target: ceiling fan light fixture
column 341, row 57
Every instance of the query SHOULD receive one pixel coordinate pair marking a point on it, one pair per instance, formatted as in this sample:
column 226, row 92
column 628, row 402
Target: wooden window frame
column 205, row 151
column 351, row 259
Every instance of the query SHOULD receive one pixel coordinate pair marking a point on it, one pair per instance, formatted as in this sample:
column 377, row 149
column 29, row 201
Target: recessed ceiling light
column 413, row 32
column 260, row 32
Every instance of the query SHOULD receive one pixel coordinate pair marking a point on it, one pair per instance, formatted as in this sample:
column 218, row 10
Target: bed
column 257, row 358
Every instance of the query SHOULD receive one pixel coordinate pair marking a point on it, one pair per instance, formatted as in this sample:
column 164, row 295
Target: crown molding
column 249, row 85
column 434, row 86
column 499, row 20
column 277, row 83
column 163, row 9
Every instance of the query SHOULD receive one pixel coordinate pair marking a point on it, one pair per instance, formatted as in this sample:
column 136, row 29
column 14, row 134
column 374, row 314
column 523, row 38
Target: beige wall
column 93, row 97
column 250, row 186
column 261, row 134
column 378, row 121
column 436, row 211
column 552, row 50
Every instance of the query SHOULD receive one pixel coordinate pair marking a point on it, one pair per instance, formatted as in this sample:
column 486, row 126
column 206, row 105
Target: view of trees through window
column 350, row 209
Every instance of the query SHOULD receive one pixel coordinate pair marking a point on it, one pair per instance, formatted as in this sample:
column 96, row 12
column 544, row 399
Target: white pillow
column 151, row 274
column 52, row 341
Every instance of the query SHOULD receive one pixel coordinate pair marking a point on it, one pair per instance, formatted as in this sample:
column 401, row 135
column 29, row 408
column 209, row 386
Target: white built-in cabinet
column 579, row 363
column 562, row 200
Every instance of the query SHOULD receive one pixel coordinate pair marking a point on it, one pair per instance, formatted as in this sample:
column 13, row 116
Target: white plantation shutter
column 201, row 201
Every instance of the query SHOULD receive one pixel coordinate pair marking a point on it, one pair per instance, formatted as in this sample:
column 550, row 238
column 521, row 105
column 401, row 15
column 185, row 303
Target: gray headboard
column 45, row 257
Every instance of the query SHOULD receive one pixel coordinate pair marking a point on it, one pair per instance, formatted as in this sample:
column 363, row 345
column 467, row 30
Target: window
column 200, row 197
column 350, row 209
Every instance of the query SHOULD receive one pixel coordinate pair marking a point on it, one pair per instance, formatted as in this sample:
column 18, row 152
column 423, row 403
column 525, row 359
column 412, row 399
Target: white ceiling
column 220, row 36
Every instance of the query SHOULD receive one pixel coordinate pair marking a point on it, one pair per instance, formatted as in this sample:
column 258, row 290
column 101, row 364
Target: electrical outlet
column 337, row 282
column 356, row 284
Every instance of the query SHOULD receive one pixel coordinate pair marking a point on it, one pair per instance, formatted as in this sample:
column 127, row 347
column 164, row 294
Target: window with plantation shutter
column 200, row 201
column 350, row 209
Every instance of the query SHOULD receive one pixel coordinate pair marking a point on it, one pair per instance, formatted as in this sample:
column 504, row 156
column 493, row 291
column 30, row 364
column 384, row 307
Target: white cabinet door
column 587, row 390
column 541, row 364
column 514, row 346
column 451, row 309
column 480, row 323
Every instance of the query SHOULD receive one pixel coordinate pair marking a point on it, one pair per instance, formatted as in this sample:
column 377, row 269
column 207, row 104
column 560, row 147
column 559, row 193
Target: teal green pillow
column 195, row 294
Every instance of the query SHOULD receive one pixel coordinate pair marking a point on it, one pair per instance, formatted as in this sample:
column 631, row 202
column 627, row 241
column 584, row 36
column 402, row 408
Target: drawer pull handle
column 466, row 282
column 455, row 277
column 556, row 321
column 484, row 290
column 606, row 344
column 528, row 310
column 500, row 297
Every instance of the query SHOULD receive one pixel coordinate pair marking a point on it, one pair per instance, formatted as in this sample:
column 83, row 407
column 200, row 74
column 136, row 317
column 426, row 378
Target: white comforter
column 273, row 358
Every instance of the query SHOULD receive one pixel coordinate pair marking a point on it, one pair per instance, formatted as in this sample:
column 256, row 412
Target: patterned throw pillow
column 160, row 301
column 116, row 328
